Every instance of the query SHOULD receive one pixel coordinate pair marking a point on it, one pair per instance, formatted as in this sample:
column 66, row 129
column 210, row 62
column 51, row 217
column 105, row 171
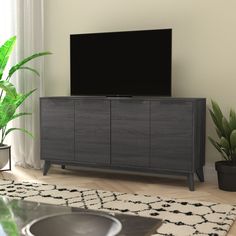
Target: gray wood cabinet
column 171, row 135
column 92, row 131
column 130, row 133
column 144, row 134
column 57, row 129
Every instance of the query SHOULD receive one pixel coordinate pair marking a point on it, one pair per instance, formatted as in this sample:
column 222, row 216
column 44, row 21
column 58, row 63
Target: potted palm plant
column 10, row 99
column 226, row 146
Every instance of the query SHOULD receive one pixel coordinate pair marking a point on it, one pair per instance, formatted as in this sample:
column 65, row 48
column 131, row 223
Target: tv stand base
column 190, row 176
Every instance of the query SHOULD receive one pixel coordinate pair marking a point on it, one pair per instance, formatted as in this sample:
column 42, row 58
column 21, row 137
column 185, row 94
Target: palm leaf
column 19, row 129
column 5, row 52
column 9, row 105
column 232, row 119
column 218, row 124
column 217, row 111
column 233, row 139
column 214, row 143
column 218, row 148
column 218, row 133
column 7, row 111
column 226, row 156
column 224, row 143
column 226, row 127
column 21, row 97
column 8, row 108
column 8, row 88
column 10, row 99
column 30, row 69
column 20, row 114
column 7, row 220
column 10, row 227
column 24, row 61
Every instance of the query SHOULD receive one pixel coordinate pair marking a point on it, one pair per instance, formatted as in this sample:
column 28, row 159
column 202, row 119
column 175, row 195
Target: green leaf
column 217, row 116
column 214, row 143
column 5, row 52
column 232, row 119
column 6, row 113
column 24, row 61
column 225, row 146
column 226, row 127
column 21, row 97
column 217, row 111
column 218, row 124
column 30, row 69
column 7, row 220
column 233, row 139
column 224, row 143
column 218, row 133
column 10, row 227
column 20, row 114
column 218, row 148
column 8, row 107
column 19, row 129
column 8, row 88
column 10, row 99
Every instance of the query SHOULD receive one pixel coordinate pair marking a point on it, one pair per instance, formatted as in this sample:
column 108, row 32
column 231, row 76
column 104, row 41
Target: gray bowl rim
column 26, row 229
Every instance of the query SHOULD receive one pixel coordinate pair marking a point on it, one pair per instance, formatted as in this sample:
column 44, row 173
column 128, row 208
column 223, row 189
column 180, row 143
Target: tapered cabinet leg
column 63, row 167
column 200, row 174
column 191, row 181
column 46, row 167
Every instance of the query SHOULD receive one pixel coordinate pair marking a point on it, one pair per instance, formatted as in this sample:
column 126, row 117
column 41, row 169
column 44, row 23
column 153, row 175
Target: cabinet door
column 57, row 129
column 130, row 133
column 171, row 135
column 92, row 131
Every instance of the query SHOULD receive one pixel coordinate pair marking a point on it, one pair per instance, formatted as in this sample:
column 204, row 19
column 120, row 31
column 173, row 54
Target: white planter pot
column 5, row 152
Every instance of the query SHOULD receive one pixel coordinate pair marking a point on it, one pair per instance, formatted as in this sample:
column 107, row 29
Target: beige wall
column 204, row 42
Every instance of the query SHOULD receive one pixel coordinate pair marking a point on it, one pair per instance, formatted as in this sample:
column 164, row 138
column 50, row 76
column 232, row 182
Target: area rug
column 180, row 217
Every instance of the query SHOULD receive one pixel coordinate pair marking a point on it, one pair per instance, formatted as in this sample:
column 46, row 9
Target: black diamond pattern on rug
column 181, row 217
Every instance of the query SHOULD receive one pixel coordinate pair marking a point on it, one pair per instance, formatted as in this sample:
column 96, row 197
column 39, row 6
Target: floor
column 162, row 186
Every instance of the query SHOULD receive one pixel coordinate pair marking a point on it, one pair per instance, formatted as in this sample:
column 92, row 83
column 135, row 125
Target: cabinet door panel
column 57, row 129
column 130, row 133
column 171, row 135
column 92, row 131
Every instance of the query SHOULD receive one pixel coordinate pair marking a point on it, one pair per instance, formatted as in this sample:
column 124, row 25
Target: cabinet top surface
column 123, row 97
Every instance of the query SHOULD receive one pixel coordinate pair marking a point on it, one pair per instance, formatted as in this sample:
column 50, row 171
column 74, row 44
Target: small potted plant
column 10, row 99
column 226, row 146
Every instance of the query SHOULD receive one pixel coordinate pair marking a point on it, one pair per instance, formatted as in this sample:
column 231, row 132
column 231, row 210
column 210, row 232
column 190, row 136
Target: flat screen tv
column 130, row 63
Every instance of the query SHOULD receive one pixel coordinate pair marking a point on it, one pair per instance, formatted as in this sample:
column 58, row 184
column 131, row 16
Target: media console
column 142, row 134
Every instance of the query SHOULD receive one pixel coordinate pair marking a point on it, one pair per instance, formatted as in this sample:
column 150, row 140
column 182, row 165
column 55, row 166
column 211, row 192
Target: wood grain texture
column 92, row 131
column 57, row 129
column 171, row 135
column 130, row 133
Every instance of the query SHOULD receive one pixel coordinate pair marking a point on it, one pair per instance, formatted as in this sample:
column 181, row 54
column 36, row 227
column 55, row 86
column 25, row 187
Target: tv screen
column 130, row 63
